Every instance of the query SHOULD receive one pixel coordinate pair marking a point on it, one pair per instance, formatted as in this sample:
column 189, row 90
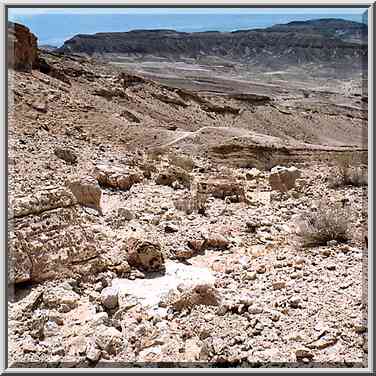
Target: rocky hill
column 319, row 41
column 330, row 27
column 22, row 47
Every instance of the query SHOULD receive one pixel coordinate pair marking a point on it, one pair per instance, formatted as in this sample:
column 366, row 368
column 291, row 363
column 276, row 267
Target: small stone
column 275, row 316
column 29, row 347
column 295, row 337
column 108, row 339
column 184, row 253
column 109, row 297
column 92, row 353
column 246, row 300
column 73, row 282
column 87, row 192
column 254, row 310
column 253, row 174
column 259, row 327
column 332, row 243
column 360, row 328
column 251, row 226
column 278, row 285
column 345, row 248
column 64, row 308
column 261, row 269
column 59, row 351
column 125, row 214
column 56, row 317
column 66, row 154
column 331, row 266
column 66, row 286
column 295, row 302
column 323, row 342
column 216, row 241
column 78, row 345
column 170, row 229
column 282, row 178
column 303, row 353
column 51, row 329
column 299, row 261
column 98, row 286
column 222, row 310
column 244, row 261
column 61, row 297
column 345, row 285
column 326, row 252
column 251, row 276
column 145, row 254
column 99, row 318
column 253, row 322
column 196, row 244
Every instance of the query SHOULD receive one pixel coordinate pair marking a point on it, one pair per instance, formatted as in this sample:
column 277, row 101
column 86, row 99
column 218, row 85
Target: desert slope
column 149, row 224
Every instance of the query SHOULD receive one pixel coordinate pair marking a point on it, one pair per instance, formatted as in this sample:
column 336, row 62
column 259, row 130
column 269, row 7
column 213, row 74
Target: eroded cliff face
column 22, row 48
column 325, row 41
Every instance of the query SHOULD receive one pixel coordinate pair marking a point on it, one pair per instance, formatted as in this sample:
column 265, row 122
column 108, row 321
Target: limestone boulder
column 66, row 154
column 47, row 237
column 175, row 177
column 283, row 178
column 222, row 188
column 144, row 254
column 60, row 297
column 48, row 198
column 116, row 177
column 87, row 192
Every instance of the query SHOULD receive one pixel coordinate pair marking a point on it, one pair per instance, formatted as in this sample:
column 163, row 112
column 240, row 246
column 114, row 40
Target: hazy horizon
column 51, row 26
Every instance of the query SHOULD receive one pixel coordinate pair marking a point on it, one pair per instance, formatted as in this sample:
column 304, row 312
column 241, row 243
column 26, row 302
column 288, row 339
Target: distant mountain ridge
column 299, row 42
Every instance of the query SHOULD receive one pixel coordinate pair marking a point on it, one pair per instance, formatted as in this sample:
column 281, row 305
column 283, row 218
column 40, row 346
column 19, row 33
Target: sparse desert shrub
column 146, row 165
column 355, row 176
column 328, row 222
column 174, row 177
column 155, row 154
column 192, row 203
column 182, row 161
column 348, row 172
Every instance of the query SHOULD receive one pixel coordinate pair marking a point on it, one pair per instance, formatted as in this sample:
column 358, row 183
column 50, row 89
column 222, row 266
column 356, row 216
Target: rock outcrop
column 50, row 244
column 48, row 237
column 46, row 199
column 322, row 40
column 22, row 48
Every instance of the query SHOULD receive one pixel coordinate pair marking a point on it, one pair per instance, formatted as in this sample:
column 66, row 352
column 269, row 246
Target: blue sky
column 55, row 25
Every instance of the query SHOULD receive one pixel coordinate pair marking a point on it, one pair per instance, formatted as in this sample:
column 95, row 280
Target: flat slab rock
column 149, row 292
